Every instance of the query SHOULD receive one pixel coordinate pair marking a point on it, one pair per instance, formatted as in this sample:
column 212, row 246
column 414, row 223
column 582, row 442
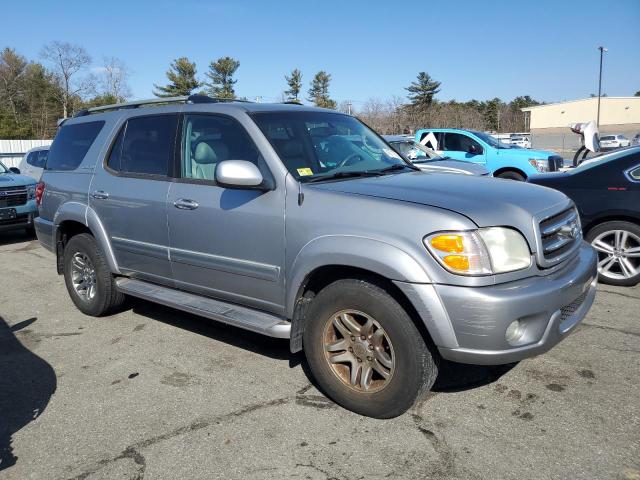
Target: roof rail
column 157, row 101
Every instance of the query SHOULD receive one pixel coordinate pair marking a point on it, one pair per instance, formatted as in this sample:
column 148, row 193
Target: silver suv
column 302, row 223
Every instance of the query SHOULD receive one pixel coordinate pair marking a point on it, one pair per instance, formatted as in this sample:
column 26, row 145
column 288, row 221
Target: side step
column 241, row 317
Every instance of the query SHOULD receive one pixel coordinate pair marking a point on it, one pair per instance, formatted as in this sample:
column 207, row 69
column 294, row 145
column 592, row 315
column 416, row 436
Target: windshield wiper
column 397, row 166
column 337, row 175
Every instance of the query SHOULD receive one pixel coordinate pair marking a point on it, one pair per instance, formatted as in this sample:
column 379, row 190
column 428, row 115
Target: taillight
column 39, row 193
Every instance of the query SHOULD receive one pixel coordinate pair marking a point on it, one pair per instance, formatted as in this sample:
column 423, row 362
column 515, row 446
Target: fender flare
column 81, row 213
column 365, row 253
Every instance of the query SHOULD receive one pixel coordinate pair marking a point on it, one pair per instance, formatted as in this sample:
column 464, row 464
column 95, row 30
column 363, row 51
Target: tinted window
column 608, row 137
column 432, row 140
column 32, row 158
column 41, row 158
column 209, row 140
column 459, row 143
column 145, row 146
column 635, row 173
column 71, row 144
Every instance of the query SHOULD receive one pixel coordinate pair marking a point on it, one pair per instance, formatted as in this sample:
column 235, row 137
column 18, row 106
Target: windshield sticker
column 303, row 172
column 391, row 153
column 430, row 141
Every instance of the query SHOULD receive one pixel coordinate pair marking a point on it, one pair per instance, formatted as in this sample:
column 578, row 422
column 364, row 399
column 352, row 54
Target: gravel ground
column 154, row 393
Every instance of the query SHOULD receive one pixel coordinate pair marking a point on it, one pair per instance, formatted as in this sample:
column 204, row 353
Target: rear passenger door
column 225, row 243
column 130, row 195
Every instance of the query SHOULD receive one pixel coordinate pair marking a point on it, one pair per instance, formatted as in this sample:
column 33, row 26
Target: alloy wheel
column 618, row 254
column 359, row 351
column 83, row 276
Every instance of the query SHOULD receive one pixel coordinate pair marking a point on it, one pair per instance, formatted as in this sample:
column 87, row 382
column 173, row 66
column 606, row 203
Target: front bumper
column 22, row 220
column 469, row 324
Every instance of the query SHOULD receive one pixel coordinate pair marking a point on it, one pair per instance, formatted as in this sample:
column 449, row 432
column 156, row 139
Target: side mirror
column 15, row 170
column 474, row 150
column 239, row 174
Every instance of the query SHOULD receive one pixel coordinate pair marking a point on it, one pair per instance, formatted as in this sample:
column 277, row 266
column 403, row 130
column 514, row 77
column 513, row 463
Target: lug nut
column 353, row 339
column 370, row 347
column 362, row 337
column 350, row 349
column 369, row 358
column 359, row 359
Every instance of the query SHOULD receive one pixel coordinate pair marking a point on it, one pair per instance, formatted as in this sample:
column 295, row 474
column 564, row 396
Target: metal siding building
column 617, row 115
column 12, row 151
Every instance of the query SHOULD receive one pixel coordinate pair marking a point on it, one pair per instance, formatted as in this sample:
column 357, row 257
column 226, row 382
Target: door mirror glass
column 238, row 174
column 474, row 149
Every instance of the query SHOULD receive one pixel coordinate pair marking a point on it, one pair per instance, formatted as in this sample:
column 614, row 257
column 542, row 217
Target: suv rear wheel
column 89, row 281
column 618, row 246
column 365, row 351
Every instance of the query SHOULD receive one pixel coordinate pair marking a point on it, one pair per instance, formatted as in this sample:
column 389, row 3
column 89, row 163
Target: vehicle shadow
column 27, row 382
column 275, row 348
column 458, row 377
column 16, row 236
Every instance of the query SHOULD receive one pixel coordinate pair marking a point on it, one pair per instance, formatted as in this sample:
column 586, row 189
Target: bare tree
column 67, row 61
column 113, row 79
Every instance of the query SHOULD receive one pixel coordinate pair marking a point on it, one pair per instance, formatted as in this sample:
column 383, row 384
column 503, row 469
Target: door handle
column 185, row 204
column 100, row 195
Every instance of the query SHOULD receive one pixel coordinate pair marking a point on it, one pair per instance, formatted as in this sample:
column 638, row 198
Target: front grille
column 556, row 162
column 12, row 197
column 560, row 235
column 568, row 310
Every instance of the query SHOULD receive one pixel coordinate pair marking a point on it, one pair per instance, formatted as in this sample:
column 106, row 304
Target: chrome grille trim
column 553, row 235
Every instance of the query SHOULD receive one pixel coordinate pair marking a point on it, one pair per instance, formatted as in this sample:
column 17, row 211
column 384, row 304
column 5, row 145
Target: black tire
column 511, row 175
column 634, row 230
column 415, row 368
column 107, row 297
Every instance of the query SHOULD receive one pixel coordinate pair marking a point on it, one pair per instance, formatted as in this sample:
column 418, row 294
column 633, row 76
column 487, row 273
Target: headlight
column 542, row 165
column 31, row 192
column 481, row 252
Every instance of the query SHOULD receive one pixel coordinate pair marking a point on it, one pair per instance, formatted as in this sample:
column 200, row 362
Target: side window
column 210, row 139
column 41, row 159
column 432, row 140
column 145, row 145
column 635, row 174
column 32, row 158
column 71, row 144
column 460, row 143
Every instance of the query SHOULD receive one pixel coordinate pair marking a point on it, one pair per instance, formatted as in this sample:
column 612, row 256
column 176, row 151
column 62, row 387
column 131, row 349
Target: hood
column 14, row 180
column 451, row 166
column 487, row 201
column 527, row 153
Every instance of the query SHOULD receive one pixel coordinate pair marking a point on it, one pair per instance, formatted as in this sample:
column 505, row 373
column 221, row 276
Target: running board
column 242, row 317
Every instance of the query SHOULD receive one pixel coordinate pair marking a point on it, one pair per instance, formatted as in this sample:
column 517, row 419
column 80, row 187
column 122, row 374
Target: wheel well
column 65, row 231
column 509, row 169
column 323, row 276
column 615, row 218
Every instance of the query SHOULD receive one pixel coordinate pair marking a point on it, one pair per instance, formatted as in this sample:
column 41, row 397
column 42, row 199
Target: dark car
column 606, row 190
column 428, row 160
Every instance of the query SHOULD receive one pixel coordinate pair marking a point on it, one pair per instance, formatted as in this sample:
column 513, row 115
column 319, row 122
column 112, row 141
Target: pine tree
column 182, row 78
column 295, row 85
column 220, row 76
column 319, row 91
column 422, row 91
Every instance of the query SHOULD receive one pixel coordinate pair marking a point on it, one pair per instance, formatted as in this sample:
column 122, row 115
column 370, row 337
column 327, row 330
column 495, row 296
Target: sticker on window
column 303, row 172
column 391, row 153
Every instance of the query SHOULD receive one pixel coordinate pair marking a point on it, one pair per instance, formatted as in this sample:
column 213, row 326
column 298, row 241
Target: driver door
column 462, row 147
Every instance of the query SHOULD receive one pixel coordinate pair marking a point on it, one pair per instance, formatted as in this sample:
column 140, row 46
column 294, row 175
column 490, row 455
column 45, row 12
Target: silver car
column 301, row 223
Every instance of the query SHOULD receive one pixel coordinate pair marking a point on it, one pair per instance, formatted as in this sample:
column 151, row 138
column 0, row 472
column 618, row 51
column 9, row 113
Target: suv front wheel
column 365, row 351
column 89, row 281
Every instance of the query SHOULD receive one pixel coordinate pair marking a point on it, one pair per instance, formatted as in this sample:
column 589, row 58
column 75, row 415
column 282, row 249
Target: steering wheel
column 347, row 161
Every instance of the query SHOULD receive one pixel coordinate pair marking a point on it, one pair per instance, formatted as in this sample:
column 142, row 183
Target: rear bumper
column 470, row 323
column 45, row 231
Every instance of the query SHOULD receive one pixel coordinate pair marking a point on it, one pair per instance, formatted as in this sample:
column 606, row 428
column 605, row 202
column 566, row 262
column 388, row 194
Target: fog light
column 515, row 330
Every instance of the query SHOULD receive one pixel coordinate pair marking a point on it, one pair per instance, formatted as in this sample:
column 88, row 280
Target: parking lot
column 156, row 393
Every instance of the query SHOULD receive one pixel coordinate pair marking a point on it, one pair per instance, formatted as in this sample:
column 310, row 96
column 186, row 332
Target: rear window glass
column 72, row 144
column 608, row 137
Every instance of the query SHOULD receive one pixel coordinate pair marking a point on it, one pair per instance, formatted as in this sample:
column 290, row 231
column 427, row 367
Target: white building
column 12, row 151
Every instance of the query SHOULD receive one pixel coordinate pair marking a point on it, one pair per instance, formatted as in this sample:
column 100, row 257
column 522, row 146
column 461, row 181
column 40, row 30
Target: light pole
column 602, row 50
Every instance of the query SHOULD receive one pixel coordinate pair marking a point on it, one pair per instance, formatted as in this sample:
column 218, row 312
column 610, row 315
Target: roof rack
column 157, row 101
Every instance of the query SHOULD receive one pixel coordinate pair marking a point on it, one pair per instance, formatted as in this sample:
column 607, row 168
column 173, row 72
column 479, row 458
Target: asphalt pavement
column 154, row 393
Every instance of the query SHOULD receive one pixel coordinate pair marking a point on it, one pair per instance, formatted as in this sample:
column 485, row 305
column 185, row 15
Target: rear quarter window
column 71, row 144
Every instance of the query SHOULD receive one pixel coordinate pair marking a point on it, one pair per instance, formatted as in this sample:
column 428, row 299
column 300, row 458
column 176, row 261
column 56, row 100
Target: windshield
column 491, row 140
column 416, row 152
column 595, row 161
column 324, row 144
column 3, row 169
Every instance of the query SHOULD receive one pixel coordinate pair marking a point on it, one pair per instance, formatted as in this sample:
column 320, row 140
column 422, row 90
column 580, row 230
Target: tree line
column 35, row 94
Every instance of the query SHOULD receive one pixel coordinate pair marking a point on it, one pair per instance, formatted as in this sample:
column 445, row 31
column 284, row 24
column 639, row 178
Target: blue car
column 502, row 160
column 17, row 199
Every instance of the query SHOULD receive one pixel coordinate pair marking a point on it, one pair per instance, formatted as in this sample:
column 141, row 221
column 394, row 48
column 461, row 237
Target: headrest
column 322, row 131
column 210, row 152
column 292, row 148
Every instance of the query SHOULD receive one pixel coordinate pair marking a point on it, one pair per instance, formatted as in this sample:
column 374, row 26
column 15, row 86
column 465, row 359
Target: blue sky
column 477, row 49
